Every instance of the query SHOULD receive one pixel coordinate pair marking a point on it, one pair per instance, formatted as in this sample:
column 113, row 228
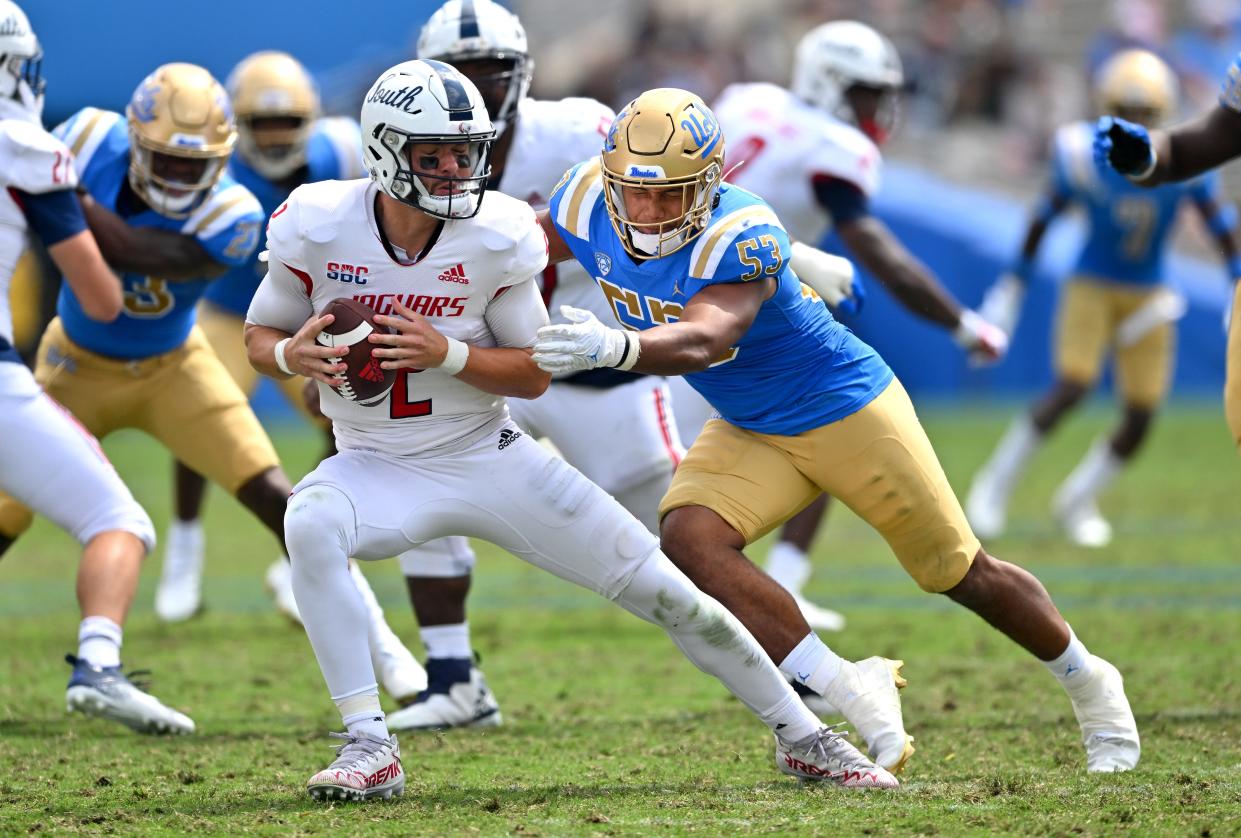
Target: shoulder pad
column 343, row 137
column 284, row 234
column 229, row 203
column 846, row 153
column 502, row 221
column 574, row 198
column 33, row 160
column 86, row 130
column 716, row 246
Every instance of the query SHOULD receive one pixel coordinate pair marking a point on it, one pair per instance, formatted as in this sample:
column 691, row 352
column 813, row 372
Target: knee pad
column 441, row 558
column 317, row 514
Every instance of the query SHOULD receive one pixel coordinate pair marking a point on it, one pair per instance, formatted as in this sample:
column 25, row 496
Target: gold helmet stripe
column 714, row 244
column 569, row 212
column 84, row 133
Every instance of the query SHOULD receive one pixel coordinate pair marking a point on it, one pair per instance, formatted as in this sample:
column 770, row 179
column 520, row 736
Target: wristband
column 281, row 363
column 454, row 360
column 632, row 350
column 1138, row 177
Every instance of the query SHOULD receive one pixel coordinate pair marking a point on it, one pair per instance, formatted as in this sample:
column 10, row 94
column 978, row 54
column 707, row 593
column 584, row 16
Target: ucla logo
column 604, row 262
column 609, row 142
column 143, row 103
column 637, row 171
column 702, row 127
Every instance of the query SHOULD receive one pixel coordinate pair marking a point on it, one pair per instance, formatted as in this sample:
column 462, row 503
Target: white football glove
column 830, row 276
column 583, row 344
column 1001, row 305
column 985, row 342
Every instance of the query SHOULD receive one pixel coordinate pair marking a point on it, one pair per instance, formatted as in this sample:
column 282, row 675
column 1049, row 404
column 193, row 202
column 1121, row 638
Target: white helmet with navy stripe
column 21, row 61
column 480, row 30
column 427, row 102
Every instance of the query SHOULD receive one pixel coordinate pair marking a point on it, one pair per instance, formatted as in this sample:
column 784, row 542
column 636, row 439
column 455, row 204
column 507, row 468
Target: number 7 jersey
column 796, row 368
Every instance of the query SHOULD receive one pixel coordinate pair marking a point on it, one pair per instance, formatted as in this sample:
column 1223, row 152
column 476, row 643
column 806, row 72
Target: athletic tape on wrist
column 280, row 361
column 456, row 357
column 632, row 350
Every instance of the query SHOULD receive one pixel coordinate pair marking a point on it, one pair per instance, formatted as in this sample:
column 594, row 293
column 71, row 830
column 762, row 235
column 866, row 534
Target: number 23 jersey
column 476, row 283
column 795, row 369
column 157, row 314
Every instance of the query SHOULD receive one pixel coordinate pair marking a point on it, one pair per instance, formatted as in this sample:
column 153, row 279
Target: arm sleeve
column 842, row 199
column 515, row 314
column 54, row 216
column 281, row 301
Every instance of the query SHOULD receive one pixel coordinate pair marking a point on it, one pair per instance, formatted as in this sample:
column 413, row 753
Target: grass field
column 609, row 731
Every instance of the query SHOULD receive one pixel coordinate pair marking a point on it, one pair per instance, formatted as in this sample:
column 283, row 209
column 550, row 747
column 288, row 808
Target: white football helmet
column 480, row 30
column 21, row 62
column 427, row 102
column 836, row 56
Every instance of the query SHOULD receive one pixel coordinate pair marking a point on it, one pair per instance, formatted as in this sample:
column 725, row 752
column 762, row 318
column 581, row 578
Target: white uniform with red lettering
column 47, row 460
column 618, row 429
column 778, row 146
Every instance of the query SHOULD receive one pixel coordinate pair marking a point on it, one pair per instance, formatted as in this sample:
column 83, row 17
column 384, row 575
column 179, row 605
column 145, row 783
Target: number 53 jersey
column 475, row 282
column 795, row 369
column 157, row 314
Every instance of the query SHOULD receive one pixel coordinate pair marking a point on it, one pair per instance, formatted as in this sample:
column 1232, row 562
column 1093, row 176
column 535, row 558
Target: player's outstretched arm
column 147, row 250
column 97, row 289
column 1188, row 150
column 502, row 370
column 279, row 354
column 885, row 258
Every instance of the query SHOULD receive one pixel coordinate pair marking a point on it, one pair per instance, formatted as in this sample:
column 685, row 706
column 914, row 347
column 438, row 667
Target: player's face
column 867, row 104
column 442, row 162
column 646, row 209
column 492, row 77
column 273, row 134
column 179, row 170
column 1142, row 116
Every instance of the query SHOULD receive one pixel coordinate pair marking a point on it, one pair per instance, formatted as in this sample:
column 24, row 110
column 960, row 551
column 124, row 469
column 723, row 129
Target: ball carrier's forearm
column 1194, row 147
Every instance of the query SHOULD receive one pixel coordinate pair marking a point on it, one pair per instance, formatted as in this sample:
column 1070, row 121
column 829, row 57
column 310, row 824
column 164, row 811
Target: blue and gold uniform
column 151, row 369
column 1121, row 269
column 805, row 405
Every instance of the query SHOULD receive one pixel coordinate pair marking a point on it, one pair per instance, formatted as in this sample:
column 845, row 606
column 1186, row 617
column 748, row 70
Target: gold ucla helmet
column 276, row 105
column 665, row 139
column 180, row 137
column 1137, row 85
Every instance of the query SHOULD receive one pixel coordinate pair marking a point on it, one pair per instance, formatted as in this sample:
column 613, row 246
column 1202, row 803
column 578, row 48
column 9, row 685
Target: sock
column 812, row 663
column 185, row 537
column 362, row 714
column 1092, row 475
column 788, row 565
column 450, row 641
column 99, row 642
column 789, row 721
column 1073, row 664
column 1016, row 447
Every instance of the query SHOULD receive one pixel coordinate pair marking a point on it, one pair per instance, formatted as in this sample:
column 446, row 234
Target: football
column 366, row 382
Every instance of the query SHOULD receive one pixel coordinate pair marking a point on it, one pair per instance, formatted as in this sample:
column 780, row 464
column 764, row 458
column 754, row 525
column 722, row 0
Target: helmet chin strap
column 651, row 243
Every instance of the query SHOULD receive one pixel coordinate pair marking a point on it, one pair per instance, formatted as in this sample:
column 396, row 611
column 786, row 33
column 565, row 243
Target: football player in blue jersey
column 697, row 272
column 1117, row 302
column 1149, row 158
column 169, row 217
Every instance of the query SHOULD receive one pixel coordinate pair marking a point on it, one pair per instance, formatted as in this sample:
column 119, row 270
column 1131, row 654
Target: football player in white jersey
column 812, row 152
column 536, row 142
column 439, row 455
column 47, row 460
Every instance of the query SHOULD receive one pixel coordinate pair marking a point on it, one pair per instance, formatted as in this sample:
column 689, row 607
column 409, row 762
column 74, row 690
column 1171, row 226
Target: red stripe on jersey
column 501, row 291
column 661, row 414
column 303, row 276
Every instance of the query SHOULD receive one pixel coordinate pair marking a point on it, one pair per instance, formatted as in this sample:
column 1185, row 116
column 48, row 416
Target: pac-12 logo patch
column 604, row 262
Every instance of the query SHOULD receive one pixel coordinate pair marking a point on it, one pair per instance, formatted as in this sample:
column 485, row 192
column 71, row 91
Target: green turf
column 609, row 731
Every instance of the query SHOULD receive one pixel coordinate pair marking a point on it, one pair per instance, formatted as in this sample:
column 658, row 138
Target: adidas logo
column 455, row 274
column 507, row 438
column 372, row 371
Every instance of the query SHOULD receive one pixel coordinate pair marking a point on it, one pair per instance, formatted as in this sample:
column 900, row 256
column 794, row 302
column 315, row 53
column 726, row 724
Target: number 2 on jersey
column 401, row 406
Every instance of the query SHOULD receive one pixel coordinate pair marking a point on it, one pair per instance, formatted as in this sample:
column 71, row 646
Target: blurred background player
column 47, row 460
column 615, row 427
column 812, row 152
column 1118, row 302
column 1149, row 158
column 282, row 142
column 167, row 214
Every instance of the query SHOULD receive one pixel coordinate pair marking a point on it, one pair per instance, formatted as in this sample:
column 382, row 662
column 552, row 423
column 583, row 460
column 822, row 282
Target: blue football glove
column 1123, row 145
column 852, row 304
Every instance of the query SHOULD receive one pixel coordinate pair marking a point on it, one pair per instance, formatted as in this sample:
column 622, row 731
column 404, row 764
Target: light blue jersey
column 334, row 152
column 157, row 314
column 796, row 368
column 1129, row 224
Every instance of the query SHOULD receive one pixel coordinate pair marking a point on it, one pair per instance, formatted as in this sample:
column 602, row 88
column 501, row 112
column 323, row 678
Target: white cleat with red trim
column 826, row 756
column 365, row 767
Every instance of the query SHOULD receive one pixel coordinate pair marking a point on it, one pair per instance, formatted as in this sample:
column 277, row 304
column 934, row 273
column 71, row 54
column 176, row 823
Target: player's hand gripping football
column 415, row 343
column 581, row 344
column 304, row 356
column 1124, row 145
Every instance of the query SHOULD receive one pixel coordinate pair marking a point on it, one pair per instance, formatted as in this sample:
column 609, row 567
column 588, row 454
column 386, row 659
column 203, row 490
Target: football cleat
column 365, row 767
column 866, row 694
column 279, row 583
column 1109, row 731
column 108, row 693
column 179, row 595
column 1083, row 523
column 456, row 696
column 826, row 755
column 814, row 702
